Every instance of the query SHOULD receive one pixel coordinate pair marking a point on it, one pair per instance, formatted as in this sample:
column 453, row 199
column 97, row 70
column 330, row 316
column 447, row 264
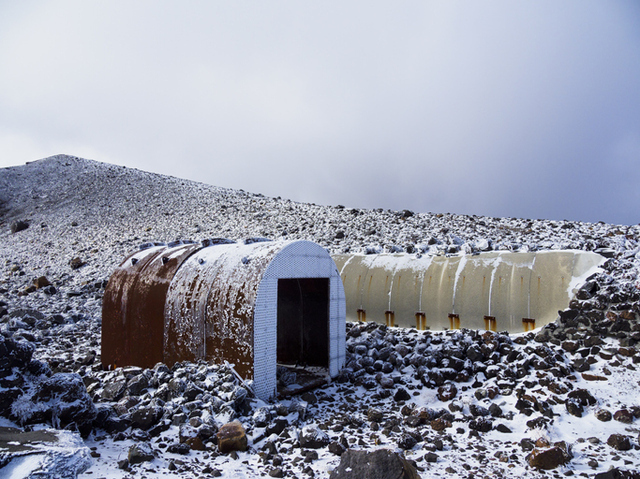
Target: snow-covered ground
column 507, row 392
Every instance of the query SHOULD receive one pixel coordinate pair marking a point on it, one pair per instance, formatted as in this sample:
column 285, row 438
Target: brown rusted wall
column 210, row 305
column 184, row 303
column 133, row 306
column 123, row 321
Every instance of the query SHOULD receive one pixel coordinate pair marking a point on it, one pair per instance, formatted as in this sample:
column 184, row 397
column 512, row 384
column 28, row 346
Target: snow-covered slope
column 87, row 213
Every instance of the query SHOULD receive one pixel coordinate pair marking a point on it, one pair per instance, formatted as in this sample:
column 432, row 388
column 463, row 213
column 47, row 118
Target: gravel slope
column 396, row 387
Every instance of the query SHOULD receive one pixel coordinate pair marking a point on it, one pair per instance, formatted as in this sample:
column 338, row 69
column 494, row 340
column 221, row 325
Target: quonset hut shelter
column 257, row 304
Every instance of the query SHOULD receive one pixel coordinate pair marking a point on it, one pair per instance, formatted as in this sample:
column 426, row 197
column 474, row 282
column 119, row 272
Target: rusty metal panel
column 210, row 305
column 133, row 306
column 116, row 328
column 184, row 323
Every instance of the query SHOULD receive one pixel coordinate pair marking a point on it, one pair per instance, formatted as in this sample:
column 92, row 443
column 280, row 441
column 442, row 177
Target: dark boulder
column 137, row 385
column 379, row 464
column 313, row 437
column 619, row 442
column 623, row 415
column 114, row 389
column 478, row 410
column 18, row 225
column 231, row 437
column 616, row 473
column 401, row 395
column 140, row 452
column 574, row 407
column 481, row 424
column 277, row 426
column 145, row 417
column 62, row 400
column 549, row 458
column 407, row 441
column 336, row 448
column 602, row 415
column 14, row 354
column 447, row 391
column 7, row 397
column 76, row 263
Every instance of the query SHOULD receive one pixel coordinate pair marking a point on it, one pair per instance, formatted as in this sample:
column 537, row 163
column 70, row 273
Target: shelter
column 495, row 291
column 256, row 304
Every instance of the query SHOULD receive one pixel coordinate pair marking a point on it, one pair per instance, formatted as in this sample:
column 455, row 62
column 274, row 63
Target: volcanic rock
column 313, row 437
column 407, row 441
column 76, row 263
column 18, row 225
column 374, row 415
column 114, row 389
column 379, row 464
column 145, row 417
column 624, row 416
column 188, row 434
column 602, row 415
column 619, row 442
column 447, row 391
column 401, row 395
column 140, row 452
column 336, row 448
column 440, row 424
column 549, row 458
column 574, row 407
column 137, row 384
column 61, row 399
column 41, row 282
column 232, row 437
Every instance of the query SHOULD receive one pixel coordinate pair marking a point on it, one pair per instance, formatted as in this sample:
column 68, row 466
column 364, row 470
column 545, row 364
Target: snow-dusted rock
column 140, row 452
column 370, row 465
column 313, row 437
column 60, row 400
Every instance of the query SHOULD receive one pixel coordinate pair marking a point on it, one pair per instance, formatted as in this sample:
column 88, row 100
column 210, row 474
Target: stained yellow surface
column 506, row 286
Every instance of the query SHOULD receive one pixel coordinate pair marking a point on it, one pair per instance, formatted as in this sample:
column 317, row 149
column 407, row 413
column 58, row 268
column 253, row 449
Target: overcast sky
column 525, row 109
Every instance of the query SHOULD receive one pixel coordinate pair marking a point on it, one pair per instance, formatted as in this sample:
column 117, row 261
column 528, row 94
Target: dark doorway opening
column 303, row 333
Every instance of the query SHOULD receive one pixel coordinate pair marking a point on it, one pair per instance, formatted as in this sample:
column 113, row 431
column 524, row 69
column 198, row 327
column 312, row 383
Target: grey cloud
column 500, row 109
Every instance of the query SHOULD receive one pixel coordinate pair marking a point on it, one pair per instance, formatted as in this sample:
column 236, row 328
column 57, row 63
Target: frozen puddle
column 42, row 453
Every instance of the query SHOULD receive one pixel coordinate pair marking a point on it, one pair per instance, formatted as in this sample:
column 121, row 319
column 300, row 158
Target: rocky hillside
column 454, row 404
